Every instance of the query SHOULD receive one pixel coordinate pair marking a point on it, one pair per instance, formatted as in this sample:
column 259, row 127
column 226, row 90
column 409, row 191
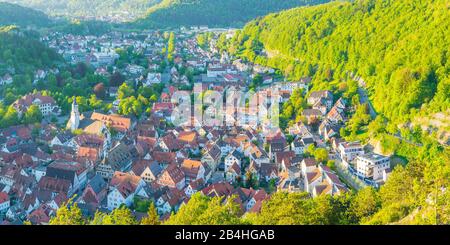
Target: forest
column 11, row 14
column 399, row 48
column 214, row 13
column 88, row 8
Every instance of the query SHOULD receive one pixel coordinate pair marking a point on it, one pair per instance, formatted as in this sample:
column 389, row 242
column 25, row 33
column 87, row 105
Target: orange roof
column 186, row 136
column 188, row 163
column 116, row 121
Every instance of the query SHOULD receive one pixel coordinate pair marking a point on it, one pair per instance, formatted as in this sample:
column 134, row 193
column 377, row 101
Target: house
column 212, row 157
column 39, row 75
column 257, row 196
column 146, row 169
column 40, row 216
column 165, row 98
column 300, row 129
column 122, row 189
column 112, row 91
column 232, row 158
column 95, row 192
column 337, row 113
column 172, row 177
column 153, row 78
column 348, row 151
column 312, row 115
column 194, row 187
column 6, row 79
column 268, row 172
column 233, row 172
column 193, row 170
column 63, row 139
column 169, row 200
column 324, row 95
column 298, row 146
column 329, row 185
column 73, row 172
column 219, row 189
column 372, row 165
column 118, row 159
column 4, row 202
column 47, row 105
column 329, row 129
column 169, row 143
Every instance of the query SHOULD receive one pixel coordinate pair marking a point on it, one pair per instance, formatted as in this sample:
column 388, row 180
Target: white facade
column 372, row 165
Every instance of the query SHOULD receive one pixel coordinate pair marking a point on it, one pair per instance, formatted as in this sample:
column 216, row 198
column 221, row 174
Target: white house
column 372, row 165
column 123, row 188
column 350, row 150
column 233, row 158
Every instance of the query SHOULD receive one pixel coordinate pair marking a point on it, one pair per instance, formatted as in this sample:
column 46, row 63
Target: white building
column 372, row 165
column 349, row 151
column 232, row 158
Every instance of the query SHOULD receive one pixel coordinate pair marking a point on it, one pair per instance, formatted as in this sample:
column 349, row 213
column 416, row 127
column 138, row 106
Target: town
column 129, row 152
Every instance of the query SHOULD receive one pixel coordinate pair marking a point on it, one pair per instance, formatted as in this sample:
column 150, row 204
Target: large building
column 348, row 151
column 47, row 105
column 372, row 165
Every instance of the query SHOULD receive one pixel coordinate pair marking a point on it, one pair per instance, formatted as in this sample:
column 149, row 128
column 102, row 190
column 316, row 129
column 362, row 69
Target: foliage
column 152, row 218
column 12, row 14
column 204, row 210
column 119, row 216
column 68, row 214
column 22, row 52
column 87, row 8
column 174, row 13
column 400, row 51
column 299, row 209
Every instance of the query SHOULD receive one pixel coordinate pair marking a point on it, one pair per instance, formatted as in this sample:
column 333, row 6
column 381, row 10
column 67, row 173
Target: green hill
column 11, row 14
column 92, row 9
column 22, row 53
column 175, row 13
column 400, row 48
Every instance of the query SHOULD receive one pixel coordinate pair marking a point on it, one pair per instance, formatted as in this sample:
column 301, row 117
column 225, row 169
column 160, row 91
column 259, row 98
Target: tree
column 152, row 218
column 116, row 79
column 10, row 118
column 204, row 210
column 68, row 214
column 119, row 216
column 366, row 203
column 321, row 154
column 100, row 91
column 32, row 115
column 124, row 91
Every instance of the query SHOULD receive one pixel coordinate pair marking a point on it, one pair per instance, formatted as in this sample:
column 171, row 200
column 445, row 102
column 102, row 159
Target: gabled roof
column 119, row 156
column 218, row 189
column 97, row 183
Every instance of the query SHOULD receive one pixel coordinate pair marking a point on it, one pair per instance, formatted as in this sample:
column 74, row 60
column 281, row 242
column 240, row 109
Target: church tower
column 74, row 120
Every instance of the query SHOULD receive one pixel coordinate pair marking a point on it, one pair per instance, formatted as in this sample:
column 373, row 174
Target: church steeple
column 74, row 120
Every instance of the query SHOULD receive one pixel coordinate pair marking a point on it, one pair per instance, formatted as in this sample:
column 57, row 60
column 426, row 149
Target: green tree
column 152, row 218
column 68, row 214
column 32, row 115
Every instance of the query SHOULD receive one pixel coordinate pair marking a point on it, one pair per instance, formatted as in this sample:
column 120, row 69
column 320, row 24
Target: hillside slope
column 93, row 9
column 22, row 53
column 12, row 14
column 400, row 48
column 175, row 13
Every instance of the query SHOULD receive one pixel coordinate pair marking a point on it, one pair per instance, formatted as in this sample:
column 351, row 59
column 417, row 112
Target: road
column 364, row 98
